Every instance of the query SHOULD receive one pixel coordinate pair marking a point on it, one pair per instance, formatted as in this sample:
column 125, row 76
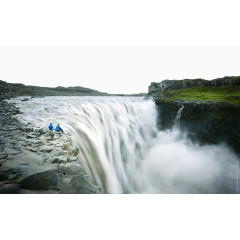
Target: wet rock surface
column 69, row 184
column 35, row 160
column 205, row 123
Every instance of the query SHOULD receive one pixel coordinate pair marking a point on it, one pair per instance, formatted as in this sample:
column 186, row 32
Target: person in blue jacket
column 58, row 129
column 50, row 127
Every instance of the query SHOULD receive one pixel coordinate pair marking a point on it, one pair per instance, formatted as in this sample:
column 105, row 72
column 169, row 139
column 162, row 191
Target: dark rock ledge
column 205, row 122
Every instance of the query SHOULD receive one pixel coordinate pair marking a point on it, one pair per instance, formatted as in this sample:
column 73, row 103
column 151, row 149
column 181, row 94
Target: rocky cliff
column 189, row 83
column 35, row 160
column 211, row 108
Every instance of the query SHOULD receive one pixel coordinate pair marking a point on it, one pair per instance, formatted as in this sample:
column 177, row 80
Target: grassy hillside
column 228, row 93
column 8, row 90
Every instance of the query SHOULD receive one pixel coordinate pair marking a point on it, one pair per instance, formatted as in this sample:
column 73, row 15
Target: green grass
column 228, row 93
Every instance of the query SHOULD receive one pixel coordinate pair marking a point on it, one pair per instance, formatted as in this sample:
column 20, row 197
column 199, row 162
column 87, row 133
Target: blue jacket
column 57, row 128
column 50, row 127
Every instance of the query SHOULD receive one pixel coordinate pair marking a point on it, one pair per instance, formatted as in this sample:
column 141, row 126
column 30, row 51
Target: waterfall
column 121, row 149
column 113, row 139
column 177, row 119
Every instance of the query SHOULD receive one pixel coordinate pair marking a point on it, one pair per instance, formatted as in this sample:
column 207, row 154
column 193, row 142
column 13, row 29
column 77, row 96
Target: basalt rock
column 209, row 122
column 76, row 184
column 189, row 83
column 206, row 123
column 10, row 189
column 41, row 181
column 71, row 168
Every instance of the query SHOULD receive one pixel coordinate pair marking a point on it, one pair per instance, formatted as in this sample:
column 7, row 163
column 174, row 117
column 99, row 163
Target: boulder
column 59, row 159
column 40, row 131
column 72, row 159
column 76, row 184
column 31, row 136
column 59, row 152
column 64, row 184
column 36, row 142
column 41, row 180
column 28, row 129
column 71, row 168
column 82, row 185
column 10, row 188
column 32, row 149
column 46, row 149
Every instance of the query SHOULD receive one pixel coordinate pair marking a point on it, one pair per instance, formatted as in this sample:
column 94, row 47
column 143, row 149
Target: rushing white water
column 122, row 150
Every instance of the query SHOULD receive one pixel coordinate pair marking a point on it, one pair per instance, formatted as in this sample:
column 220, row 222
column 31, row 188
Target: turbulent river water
column 123, row 151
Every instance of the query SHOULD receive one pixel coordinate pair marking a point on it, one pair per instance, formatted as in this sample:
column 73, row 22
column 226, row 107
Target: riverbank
column 35, row 160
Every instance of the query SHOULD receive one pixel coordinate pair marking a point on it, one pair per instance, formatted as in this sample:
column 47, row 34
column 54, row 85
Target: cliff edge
column 211, row 108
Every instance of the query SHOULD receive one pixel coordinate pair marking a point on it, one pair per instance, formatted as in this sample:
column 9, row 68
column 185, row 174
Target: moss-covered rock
column 191, row 83
column 211, row 112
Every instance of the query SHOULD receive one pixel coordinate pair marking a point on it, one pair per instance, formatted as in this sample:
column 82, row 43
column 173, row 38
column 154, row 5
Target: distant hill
column 9, row 90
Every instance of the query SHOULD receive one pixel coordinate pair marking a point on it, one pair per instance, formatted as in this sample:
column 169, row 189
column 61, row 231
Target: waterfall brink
column 113, row 138
column 121, row 149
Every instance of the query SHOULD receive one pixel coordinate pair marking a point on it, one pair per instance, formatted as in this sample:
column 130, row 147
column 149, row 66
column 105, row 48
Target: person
column 50, row 127
column 58, row 129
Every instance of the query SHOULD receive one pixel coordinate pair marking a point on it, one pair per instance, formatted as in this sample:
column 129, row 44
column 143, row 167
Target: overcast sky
column 117, row 46
column 114, row 69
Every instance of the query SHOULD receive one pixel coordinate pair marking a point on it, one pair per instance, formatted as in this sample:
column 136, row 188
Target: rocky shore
column 35, row 160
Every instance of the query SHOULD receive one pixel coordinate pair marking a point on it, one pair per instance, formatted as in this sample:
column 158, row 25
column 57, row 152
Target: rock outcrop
column 7, row 188
column 189, row 83
column 35, row 160
column 41, row 180
column 205, row 122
